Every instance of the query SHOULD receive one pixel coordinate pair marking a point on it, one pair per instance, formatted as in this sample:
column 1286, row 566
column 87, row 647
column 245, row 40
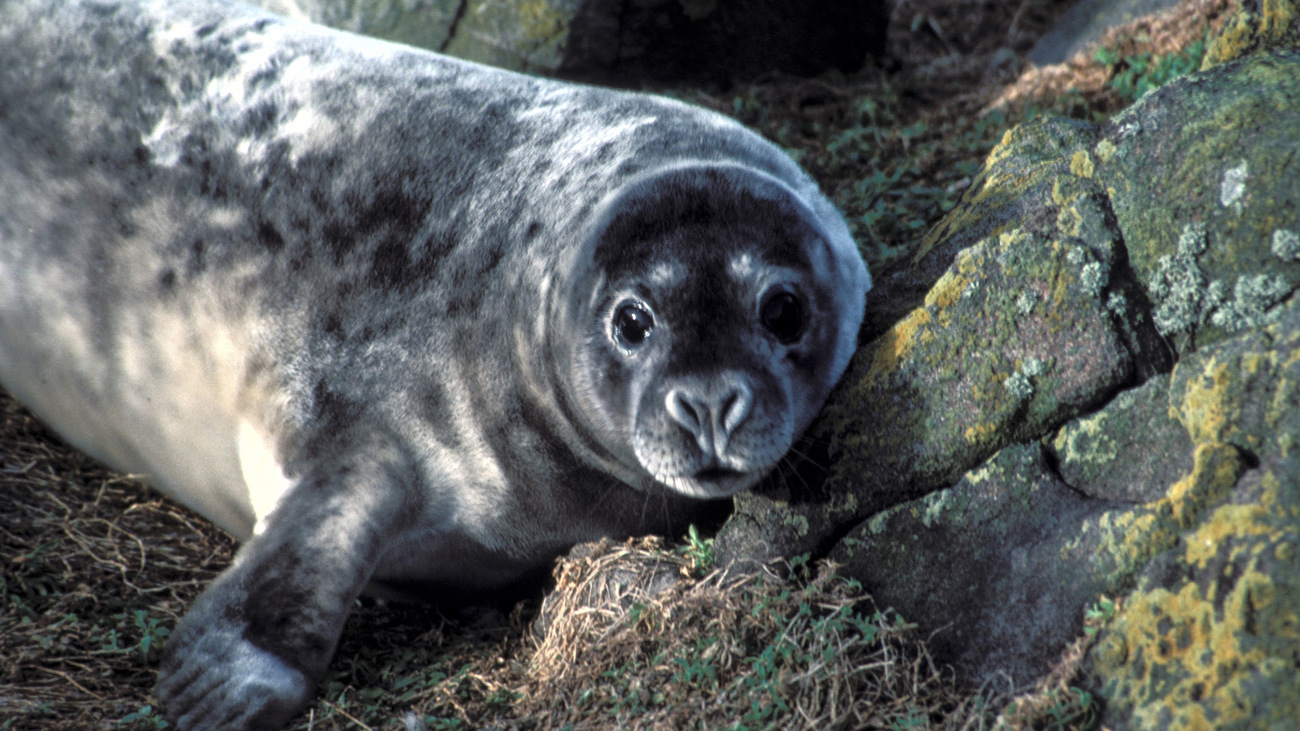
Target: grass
column 1134, row 75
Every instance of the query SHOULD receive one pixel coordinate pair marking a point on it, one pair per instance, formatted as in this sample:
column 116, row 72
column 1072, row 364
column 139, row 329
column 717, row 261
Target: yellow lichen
column 1005, row 148
column 1224, row 523
column 896, row 344
column 1133, row 536
column 1174, row 656
column 1058, row 193
column 1014, row 238
column 1205, row 407
column 1211, row 402
column 539, row 20
column 1215, row 469
column 1130, row 538
column 1105, row 151
column 980, row 433
column 946, row 291
column 968, row 265
column 1246, row 31
column 1081, row 164
column 1213, row 650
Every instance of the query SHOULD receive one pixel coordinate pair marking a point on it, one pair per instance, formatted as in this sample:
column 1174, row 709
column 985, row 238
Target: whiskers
column 802, row 471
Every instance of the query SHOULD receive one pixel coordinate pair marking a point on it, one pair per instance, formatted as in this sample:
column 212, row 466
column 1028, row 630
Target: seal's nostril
column 687, row 410
column 735, row 407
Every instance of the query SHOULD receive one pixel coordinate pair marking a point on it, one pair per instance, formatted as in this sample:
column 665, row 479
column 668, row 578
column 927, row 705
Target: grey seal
column 402, row 324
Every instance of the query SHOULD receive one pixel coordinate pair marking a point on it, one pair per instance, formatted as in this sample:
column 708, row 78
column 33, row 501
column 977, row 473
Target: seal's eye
column 633, row 323
column 783, row 316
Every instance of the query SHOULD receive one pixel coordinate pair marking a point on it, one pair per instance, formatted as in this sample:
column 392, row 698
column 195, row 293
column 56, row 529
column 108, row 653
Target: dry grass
column 93, row 568
column 753, row 651
column 1160, row 34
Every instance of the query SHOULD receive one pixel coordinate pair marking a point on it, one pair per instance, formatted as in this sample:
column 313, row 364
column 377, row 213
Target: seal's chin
column 713, row 482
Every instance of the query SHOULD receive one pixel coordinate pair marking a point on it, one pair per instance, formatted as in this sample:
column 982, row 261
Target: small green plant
column 1076, row 709
column 147, row 648
column 914, row 718
column 144, row 718
column 696, row 668
column 1095, row 616
column 152, row 636
column 699, row 551
column 1133, row 76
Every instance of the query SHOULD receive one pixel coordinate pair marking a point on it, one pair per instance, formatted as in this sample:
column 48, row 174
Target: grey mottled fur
column 353, row 302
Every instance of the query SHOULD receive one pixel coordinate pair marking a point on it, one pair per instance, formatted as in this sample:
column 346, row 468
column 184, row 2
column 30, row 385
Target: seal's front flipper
column 217, row 679
column 251, row 650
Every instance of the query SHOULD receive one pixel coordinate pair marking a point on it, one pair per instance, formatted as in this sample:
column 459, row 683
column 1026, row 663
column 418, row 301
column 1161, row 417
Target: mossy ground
column 95, row 568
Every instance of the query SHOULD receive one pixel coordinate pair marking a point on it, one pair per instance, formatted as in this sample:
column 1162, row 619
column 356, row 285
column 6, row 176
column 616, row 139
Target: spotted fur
column 358, row 304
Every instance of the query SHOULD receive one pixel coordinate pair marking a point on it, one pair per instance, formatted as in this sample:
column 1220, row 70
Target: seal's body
column 393, row 319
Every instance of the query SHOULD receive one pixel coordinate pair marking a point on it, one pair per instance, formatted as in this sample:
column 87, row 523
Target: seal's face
column 709, row 333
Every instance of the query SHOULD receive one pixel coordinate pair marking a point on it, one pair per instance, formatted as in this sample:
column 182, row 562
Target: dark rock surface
column 622, row 41
column 1087, row 385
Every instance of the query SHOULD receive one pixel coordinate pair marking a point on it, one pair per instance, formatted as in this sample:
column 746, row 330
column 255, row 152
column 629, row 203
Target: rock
column 1258, row 27
column 996, row 566
column 1014, row 333
column 1210, row 637
column 1012, row 340
column 1202, row 192
column 1128, row 451
column 1087, row 385
column 1084, row 24
column 616, row 41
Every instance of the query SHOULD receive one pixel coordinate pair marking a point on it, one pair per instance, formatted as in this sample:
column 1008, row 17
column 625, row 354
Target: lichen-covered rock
column 1128, row 451
column 1200, row 175
column 1261, row 25
column 1090, row 386
column 1016, row 331
column 620, row 41
column 1210, row 638
column 997, row 566
column 1013, row 339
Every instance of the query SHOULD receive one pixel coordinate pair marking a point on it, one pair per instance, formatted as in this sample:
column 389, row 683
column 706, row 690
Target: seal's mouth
column 711, row 482
column 717, row 475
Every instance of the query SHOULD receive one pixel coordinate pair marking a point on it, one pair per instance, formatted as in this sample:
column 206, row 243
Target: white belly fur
column 171, row 409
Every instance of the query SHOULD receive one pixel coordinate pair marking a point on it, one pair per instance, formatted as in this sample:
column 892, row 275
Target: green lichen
column 1184, row 300
column 1177, row 287
column 1117, row 305
column 1025, row 302
column 1019, row 386
column 1233, row 186
column 1094, row 277
column 1088, row 441
column 1252, row 298
column 1286, row 245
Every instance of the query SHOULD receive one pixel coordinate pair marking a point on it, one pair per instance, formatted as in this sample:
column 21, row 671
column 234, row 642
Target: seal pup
column 402, row 324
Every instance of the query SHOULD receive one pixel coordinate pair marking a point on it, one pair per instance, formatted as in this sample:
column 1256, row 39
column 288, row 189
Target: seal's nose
column 711, row 415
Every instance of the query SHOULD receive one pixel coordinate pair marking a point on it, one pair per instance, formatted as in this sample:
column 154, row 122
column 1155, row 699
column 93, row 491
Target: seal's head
column 709, row 313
